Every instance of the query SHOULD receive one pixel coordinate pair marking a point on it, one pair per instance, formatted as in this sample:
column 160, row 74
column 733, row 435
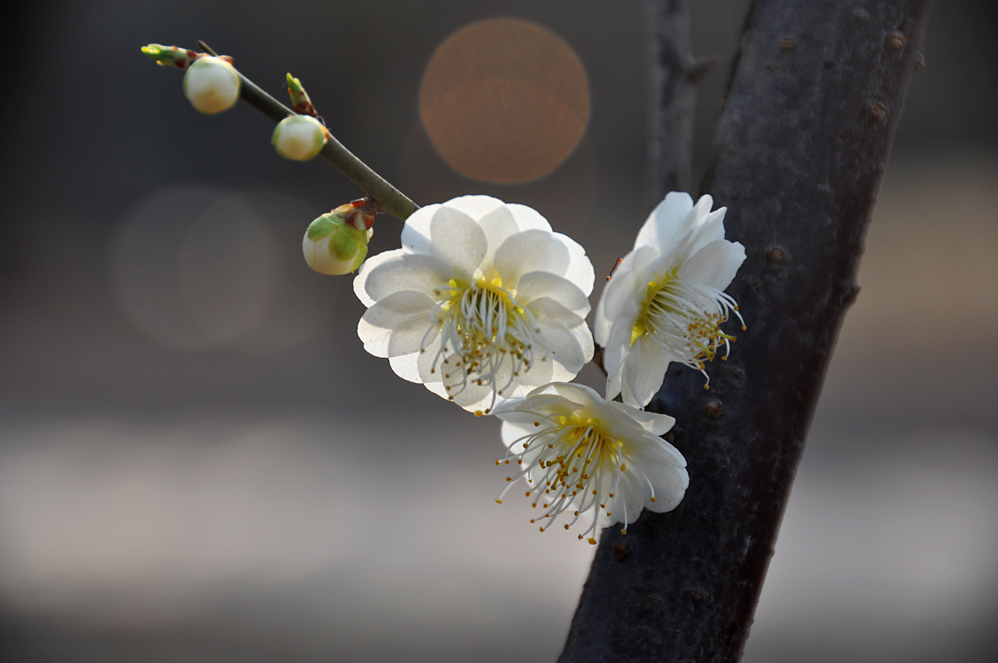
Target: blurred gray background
column 199, row 462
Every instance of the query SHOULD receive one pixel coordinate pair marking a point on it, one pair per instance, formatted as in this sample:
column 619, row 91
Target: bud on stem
column 211, row 84
column 336, row 243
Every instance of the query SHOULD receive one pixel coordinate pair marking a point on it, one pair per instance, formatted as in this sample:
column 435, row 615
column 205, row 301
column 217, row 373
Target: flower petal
column 643, row 372
column 580, row 268
column 406, row 367
column 667, row 222
column 620, row 301
column 714, row 265
column 547, row 311
column 536, row 285
column 416, row 230
column 381, row 319
column 398, row 272
column 475, row 206
column 458, row 241
column 530, row 251
column 360, row 281
column 528, row 218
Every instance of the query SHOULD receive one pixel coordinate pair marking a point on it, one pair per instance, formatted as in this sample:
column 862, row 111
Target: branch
column 390, row 199
column 799, row 154
column 672, row 97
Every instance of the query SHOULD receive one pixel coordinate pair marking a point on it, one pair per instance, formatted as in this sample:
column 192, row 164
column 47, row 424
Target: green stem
column 391, row 200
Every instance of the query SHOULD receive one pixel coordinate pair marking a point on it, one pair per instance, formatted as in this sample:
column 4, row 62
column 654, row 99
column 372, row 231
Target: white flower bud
column 333, row 244
column 299, row 137
column 211, row 84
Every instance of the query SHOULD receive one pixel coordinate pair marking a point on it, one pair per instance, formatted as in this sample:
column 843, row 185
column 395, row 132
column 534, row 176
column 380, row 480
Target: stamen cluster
column 488, row 337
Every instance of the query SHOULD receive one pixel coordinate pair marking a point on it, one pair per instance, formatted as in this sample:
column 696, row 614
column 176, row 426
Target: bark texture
column 799, row 156
column 672, row 97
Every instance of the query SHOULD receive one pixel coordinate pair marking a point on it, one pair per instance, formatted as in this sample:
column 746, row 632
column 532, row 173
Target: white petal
column 458, row 241
column 643, row 372
column 667, row 221
column 530, row 251
column 549, row 312
column 405, row 271
column 412, row 334
column 540, row 372
column 710, row 228
column 666, row 500
column 630, row 493
column 497, row 226
column 360, row 281
column 656, row 424
column 416, row 230
column 580, row 268
column 378, row 322
column 714, row 265
column 527, row 218
column 476, row 207
column 405, row 366
column 535, row 285
column 615, row 354
column 563, row 347
column 621, row 298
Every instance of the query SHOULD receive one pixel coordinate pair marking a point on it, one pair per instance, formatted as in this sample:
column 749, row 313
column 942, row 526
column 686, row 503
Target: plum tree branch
column 389, row 199
column 799, row 155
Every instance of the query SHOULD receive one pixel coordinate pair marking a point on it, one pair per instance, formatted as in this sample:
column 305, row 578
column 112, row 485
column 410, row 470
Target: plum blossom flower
column 599, row 460
column 482, row 303
column 665, row 301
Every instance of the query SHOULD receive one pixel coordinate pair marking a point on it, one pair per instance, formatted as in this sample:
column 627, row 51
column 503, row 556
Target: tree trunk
column 799, row 155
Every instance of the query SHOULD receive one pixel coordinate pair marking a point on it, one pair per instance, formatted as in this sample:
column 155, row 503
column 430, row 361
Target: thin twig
column 390, row 199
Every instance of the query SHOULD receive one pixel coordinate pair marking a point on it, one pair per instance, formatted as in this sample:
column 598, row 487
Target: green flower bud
column 299, row 137
column 336, row 243
column 174, row 56
column 211, row 84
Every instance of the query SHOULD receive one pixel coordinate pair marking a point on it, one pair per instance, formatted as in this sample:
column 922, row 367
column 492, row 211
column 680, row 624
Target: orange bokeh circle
column 504, row 100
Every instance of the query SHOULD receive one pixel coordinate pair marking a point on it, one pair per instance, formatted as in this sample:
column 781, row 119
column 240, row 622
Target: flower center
column 493, row 336
column 570, row 465
column 686, row 317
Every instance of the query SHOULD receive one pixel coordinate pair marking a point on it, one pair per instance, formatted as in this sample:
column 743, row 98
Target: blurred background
column 199, row 462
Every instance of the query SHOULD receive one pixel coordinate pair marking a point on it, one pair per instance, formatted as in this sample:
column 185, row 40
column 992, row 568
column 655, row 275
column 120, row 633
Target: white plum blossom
column 665, row 300
column 599, row 460
column 483, row 302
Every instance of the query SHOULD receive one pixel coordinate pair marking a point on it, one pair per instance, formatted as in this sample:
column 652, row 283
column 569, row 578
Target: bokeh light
column 200, row 268
column 504, row 100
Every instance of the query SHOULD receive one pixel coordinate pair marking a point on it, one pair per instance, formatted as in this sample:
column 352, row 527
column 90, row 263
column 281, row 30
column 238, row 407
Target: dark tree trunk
column 672, row 95
column 799, row 155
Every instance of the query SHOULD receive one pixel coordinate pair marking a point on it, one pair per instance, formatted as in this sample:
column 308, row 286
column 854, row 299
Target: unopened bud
column 336, row 243
column 211, row 84
column 299, row 137
column 181, row 58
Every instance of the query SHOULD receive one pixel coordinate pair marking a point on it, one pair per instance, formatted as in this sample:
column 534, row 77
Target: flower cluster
column 485, row 305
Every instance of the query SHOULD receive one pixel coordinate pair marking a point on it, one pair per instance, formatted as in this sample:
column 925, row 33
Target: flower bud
column 299, row 137
column 336, row 243
column 211, row 84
